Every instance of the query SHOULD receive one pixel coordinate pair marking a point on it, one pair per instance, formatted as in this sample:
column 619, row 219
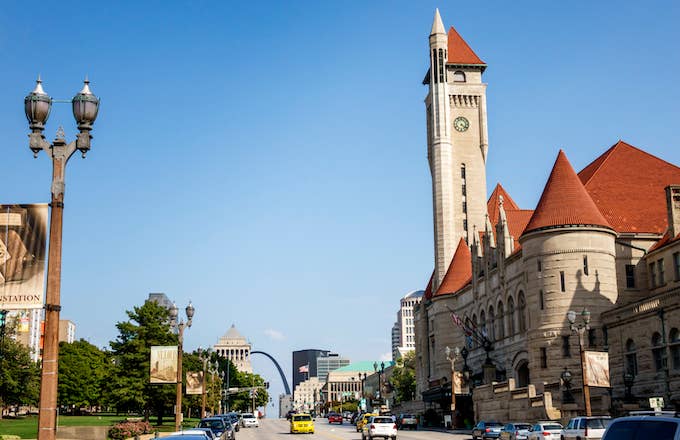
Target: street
column 279, row 428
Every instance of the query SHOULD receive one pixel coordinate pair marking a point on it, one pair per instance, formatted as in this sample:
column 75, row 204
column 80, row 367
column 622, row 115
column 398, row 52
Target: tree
column 83, row 370
column 129, row 387
column 404, row 377
column 19, row 375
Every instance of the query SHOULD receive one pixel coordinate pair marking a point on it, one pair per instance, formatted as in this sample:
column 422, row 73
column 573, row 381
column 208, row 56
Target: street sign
column 656, row 402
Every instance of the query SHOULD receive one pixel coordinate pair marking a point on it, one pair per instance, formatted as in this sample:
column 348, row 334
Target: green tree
column 404, row 377
column 129, row 387
column 83, row 370
column 19, row 375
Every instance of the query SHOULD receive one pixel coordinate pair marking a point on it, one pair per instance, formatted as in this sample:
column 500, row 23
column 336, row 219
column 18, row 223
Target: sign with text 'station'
column 163, row 364
column 23, row 243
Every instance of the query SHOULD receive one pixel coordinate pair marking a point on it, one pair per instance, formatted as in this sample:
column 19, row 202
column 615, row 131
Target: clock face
column 461, row 124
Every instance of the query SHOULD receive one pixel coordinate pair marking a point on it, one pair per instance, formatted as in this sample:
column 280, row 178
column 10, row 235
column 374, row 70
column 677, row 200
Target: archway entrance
column 522, row 374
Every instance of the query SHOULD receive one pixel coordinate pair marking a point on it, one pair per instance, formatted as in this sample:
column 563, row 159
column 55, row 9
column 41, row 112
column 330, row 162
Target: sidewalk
column 449, row 431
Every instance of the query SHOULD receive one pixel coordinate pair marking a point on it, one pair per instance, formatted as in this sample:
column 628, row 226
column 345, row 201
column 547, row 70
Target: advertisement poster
column 163, row 364
column 194, row 382
column 23, row 242
column 596, row 367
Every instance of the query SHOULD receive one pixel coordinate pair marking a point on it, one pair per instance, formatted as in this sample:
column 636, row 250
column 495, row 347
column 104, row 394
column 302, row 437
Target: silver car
column 515, row 431
column 545, row 431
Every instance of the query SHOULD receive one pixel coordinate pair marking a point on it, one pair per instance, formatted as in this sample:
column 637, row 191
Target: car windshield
column 408, row 416
column 212, row 424
column 248, row 416
column 598, row 423
column 305, row 418
column 639, row 429
column 522, row 426
column 382, row 419
column 493, row 424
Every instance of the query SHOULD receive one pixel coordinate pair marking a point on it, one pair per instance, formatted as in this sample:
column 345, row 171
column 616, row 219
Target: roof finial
column 437, row 24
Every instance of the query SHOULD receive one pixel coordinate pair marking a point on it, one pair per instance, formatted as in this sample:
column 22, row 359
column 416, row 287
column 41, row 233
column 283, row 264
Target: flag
column 304, row 369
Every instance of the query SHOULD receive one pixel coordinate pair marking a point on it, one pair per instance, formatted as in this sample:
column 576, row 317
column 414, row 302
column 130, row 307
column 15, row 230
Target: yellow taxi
column 301, row 423
column 361, row 421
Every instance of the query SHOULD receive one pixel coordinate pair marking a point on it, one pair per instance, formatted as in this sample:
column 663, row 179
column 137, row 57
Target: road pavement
column 280, row 429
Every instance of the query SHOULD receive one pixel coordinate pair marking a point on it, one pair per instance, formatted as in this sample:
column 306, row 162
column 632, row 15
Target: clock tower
column 457, row 142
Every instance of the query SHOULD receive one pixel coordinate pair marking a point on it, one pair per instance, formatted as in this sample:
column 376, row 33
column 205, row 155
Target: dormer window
column 459, row 76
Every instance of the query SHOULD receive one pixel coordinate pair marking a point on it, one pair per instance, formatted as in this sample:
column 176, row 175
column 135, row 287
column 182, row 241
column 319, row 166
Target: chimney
column 673, row 206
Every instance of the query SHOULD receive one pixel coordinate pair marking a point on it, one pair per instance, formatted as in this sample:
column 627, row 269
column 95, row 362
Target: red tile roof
column 627, row 184
column 428, row 289
column 666, row 239
column 494, row 202
column 459, row 51
column 459, row 273
column 565, row 200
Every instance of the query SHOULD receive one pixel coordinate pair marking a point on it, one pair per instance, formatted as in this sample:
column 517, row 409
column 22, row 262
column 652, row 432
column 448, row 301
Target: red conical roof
column 459, row 51
column 459, row 272
column 493, row 204
column 565, row 200
column 627, row 184
column 428, row 289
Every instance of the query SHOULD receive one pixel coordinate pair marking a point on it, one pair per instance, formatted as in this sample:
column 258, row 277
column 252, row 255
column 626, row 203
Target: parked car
column 347, row 415
column 515, row 431
column 659, row 425
column 231, row 418
column 290, row 413
column 545, row 431
column 184, row 436
column 585, row 428
column 407, row 421
column 301, row 423
column 205, row 432
column 217, row 425
column 486, row 429
column 334, row 418
column 249, row 420
column 379, row 426
column 361, row 420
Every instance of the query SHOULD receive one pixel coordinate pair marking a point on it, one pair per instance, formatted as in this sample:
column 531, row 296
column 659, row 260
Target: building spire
column 437, row 24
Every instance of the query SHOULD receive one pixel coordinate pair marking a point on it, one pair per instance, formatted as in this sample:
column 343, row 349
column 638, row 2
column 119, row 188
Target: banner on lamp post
column 163, row 364
column 23, row 243
column 195, row 382
column 596, row 368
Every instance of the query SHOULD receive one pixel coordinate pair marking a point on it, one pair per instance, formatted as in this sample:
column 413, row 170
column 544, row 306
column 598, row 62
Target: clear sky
column 267, row 160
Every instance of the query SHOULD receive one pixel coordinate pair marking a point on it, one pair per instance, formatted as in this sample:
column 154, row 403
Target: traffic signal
column 3, row 317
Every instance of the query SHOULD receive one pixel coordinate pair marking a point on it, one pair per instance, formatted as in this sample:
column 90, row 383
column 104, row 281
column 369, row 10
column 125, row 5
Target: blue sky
column 267, row 160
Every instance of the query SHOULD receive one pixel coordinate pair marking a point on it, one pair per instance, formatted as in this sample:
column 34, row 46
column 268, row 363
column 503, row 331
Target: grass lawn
column 27, row 427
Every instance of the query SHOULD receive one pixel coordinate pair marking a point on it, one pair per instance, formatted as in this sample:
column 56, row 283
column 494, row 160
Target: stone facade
column 589, row 245
column 233, row 346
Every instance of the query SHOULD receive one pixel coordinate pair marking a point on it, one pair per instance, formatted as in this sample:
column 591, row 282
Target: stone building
column 604, row 239
column 233, row 346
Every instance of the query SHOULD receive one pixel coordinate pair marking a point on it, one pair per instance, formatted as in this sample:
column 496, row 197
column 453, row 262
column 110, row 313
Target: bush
column 123, row 430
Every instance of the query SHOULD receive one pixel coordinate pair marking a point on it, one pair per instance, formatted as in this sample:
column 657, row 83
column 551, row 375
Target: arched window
column 500, row 329
column 474, row 327
column 522, row 305
column 511, row 316
column 631, row 358
column 674, row 341
column 658, row 352
column 482, row 322
column 459, row 76
column 492, row 324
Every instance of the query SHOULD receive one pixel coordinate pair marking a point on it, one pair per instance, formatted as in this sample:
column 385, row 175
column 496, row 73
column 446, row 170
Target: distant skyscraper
column 304, row 364
column 403, row 333
column 326, row 364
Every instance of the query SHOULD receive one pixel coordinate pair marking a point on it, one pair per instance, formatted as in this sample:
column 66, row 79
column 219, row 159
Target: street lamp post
column 204, row 356
column 380, row 373
column 451, row 356
column 580, row 330
column 37, row 107
column 179, row 327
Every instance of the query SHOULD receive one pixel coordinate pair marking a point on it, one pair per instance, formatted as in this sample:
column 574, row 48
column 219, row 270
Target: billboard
column 596, row 368
column 23, row 242
column 163, row 364
column 194, row 382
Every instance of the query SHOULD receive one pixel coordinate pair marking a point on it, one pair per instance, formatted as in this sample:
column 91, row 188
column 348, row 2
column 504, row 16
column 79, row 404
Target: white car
column 545, row 431
column 379, row 426
column 249, row 421
column 586, row 428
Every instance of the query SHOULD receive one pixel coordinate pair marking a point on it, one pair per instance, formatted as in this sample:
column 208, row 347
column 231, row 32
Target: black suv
column 654, row 425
